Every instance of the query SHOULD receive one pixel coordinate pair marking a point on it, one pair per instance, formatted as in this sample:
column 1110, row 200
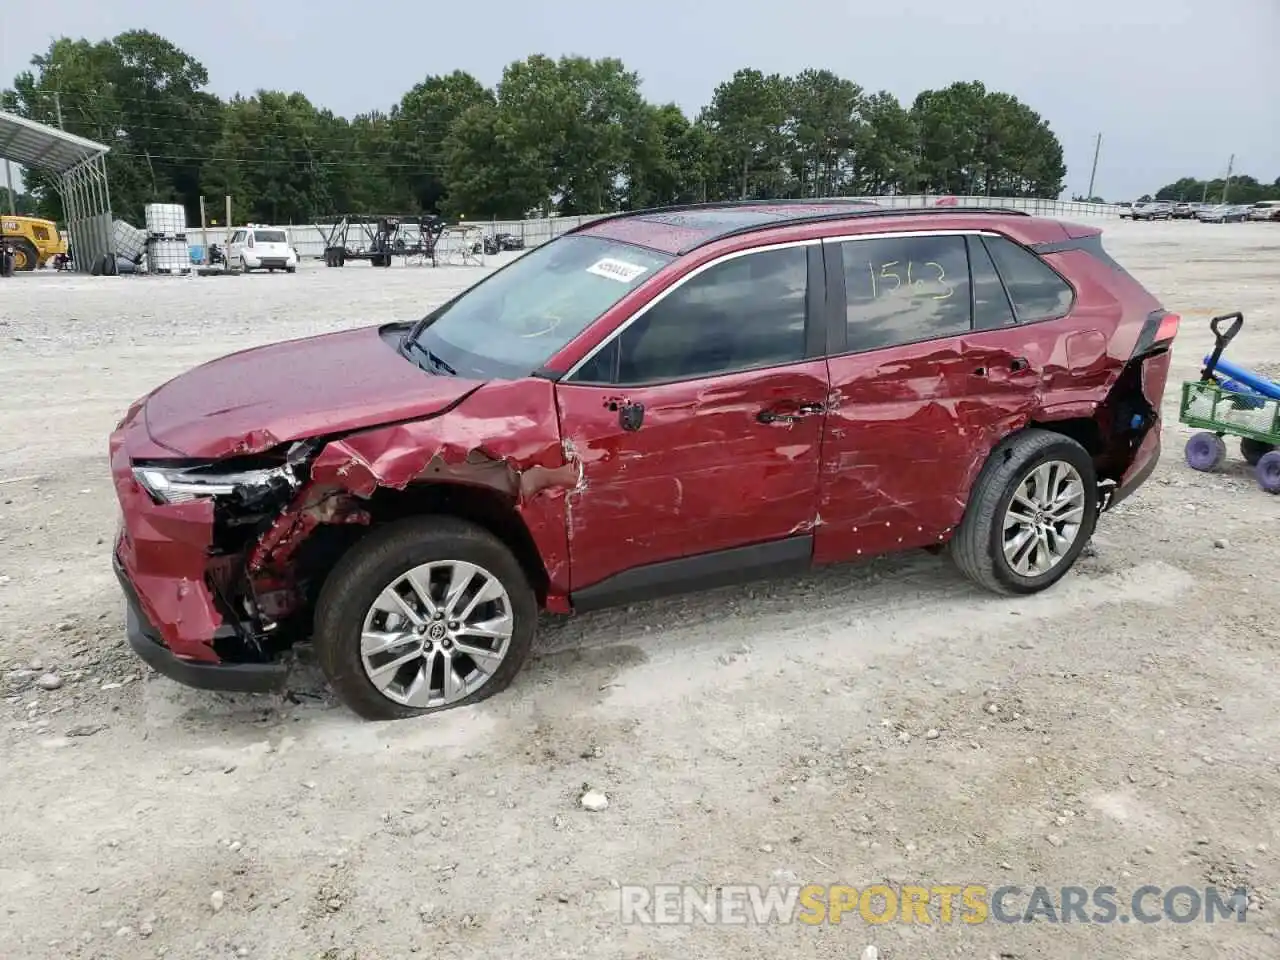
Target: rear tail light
column 1168, row 328
column 1157, row 334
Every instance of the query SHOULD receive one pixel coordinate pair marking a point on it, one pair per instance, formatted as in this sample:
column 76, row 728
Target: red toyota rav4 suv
column 657, row 401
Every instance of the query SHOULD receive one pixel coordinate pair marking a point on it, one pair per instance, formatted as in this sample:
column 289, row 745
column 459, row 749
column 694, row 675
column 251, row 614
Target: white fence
column 308, row 239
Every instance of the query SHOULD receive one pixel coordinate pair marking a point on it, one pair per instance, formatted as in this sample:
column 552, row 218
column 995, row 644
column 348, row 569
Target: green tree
column 826, row 128
column 137, row 94
column 420, row 126
column 746, row 118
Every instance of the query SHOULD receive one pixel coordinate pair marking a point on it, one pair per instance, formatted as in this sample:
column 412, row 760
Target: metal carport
column 81, row 170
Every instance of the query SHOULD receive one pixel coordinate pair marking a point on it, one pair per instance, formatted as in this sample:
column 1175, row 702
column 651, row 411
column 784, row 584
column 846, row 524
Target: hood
column 251, row 401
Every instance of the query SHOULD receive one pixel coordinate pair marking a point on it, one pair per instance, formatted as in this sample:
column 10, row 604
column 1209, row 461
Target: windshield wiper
column 436, row 363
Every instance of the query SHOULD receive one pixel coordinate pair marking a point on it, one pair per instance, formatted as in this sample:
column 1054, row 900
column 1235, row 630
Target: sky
column 1175, row 87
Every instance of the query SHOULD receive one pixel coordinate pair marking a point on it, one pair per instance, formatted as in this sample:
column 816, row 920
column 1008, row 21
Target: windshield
column 269, row 236
column 513, row 321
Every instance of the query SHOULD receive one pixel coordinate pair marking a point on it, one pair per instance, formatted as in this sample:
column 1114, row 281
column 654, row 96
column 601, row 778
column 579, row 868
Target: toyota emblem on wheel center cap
column 436, row 632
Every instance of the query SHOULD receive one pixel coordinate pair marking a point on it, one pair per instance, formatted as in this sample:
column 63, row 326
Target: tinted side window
column 746, row 312
column 991, row 308
column 904, row 289
column 1036, row 291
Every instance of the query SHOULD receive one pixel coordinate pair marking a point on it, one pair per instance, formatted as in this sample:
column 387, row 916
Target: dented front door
column 679, row 469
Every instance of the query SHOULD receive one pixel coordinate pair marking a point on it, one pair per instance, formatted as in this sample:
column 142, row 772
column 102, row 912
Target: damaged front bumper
column 147, row 643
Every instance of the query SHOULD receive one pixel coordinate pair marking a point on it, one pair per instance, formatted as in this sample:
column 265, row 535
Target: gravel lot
column 832, row 728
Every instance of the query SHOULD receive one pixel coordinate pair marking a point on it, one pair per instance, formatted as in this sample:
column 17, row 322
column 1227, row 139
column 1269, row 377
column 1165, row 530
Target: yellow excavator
column 31, row 242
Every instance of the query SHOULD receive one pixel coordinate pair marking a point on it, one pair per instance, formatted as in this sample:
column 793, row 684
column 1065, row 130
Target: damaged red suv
column 657, row 401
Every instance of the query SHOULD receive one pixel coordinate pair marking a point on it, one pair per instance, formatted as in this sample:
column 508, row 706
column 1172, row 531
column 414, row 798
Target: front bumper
column 145, row 640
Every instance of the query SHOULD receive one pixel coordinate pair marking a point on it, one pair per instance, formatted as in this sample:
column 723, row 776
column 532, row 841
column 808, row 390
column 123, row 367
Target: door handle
column 1018, row 364
column 801, row 411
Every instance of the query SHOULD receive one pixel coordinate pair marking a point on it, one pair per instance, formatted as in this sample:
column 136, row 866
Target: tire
column 290, row 269
column 25, row 256
column 1254, row 450
column 978, row 545
column 1268, row 471
column 374, row 564
column 244, row 267
column 1205, row 451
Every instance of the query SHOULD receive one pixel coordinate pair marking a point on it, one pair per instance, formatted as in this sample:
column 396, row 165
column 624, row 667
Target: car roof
column 681, row 229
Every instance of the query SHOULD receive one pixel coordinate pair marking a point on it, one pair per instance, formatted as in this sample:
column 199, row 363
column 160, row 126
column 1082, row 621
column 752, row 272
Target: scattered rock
column 932, row 734
column 334, row 904
column 1054, row 840
column 217, row 899
column 235, row 846
column 766, row 848
column 86, row 729
column 871, row 953
column 1221, row 543
column 993, row 708
column 593, row 800
column 125, row 932
column 145, row 929
column 49, row 681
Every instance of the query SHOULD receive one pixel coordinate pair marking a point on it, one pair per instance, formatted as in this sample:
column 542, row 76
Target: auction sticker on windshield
column 618, row 270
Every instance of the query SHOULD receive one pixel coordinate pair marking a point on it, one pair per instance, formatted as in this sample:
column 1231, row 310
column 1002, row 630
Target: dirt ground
column 832, row 728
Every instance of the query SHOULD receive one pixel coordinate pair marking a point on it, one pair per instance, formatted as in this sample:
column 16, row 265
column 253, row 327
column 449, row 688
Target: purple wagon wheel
column 1269, row 472
column 1205, row 451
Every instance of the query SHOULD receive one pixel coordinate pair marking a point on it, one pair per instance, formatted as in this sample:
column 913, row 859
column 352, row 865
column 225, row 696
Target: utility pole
column 8, row 176
column 1097, row 148
column 57, row 107
column 1227, row 186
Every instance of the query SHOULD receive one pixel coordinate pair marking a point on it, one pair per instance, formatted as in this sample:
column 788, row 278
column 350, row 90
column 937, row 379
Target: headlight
column 184, row 484
column 180, row 485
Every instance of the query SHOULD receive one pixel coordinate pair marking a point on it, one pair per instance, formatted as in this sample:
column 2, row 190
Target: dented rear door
column 916, row 393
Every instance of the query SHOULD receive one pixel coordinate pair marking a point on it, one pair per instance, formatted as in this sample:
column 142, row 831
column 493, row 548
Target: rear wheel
column 1031, row 513
column 1268, row 470
column 421, row 616
column 1254, row 450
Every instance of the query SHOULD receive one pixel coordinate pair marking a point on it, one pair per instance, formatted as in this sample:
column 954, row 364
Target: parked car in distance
column 1156, row 210
column 1223, row 213
column 1265, row 210
column 261, row 248
column 1183, row 211
column 655, row 402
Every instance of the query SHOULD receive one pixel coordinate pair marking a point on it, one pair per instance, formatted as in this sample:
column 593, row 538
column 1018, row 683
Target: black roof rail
column 721, row 205
column 858, row 209
column 859, row 214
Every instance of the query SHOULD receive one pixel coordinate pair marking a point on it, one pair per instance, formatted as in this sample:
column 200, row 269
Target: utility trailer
column 379, row 238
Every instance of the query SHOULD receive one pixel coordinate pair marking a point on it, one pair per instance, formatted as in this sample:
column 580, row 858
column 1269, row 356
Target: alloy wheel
column 1043, row 519
column 436, row 634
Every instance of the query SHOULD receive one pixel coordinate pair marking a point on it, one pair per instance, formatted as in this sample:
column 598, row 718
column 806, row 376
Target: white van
column 261, row 248
column 1265, row 210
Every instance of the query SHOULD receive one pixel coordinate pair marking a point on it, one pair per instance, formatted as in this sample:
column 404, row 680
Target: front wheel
column 244, row 266
column 421, row 616
column 1030, row 514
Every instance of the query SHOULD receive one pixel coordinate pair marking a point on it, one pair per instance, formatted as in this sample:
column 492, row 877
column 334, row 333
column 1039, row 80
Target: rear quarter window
column 1035, row 289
